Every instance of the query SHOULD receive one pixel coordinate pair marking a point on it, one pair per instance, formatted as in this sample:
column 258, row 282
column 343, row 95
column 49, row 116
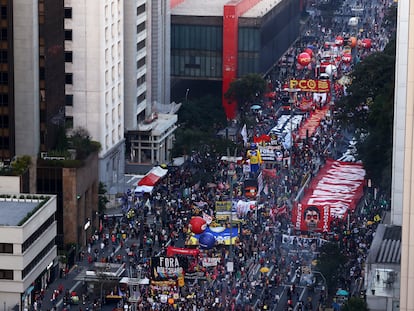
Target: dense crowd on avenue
column 267, row 250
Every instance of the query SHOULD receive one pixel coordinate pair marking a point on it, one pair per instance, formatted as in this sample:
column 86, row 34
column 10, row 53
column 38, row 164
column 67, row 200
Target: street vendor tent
column 153, row 176
column 147, row 183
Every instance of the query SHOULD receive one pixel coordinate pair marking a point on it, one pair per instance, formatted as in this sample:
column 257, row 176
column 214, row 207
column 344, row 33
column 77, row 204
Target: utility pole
column 231, row 171
column 292, row 100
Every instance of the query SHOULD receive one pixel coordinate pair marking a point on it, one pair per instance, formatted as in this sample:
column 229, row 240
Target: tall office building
column 402, row 212
column 150, row 119
column 31, row 89
column 94, row 55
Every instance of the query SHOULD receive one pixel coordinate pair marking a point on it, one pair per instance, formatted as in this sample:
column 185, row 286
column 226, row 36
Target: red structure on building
column 232, row 11
column 254, row 34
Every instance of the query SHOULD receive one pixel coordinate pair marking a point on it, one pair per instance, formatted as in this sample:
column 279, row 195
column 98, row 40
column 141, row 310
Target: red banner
column 311, row 124
column 333, row 193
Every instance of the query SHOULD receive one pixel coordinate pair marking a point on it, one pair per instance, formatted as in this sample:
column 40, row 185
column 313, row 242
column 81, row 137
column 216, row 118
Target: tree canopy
column 355, row 304
column 199, row 120
column 369, row 108
column 330, row 263
column 245, row 89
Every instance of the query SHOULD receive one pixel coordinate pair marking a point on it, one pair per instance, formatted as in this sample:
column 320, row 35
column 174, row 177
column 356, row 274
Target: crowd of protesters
column 184, row 193
column 174, row 202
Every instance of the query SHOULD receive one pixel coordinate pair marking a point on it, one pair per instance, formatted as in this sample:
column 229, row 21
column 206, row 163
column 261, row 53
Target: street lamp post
column 230, row 173
column 324, row 280
column 186, row 96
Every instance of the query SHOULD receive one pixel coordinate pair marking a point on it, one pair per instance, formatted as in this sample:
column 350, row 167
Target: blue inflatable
column 206, row 240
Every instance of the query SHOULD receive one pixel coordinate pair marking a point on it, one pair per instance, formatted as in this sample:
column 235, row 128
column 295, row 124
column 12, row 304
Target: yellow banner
column 223, row 206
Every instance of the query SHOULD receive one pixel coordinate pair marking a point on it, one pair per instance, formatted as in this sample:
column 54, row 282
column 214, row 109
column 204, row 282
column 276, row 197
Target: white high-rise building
column 402, row 212
column 150, row 119
column 94, row 54
column 137, row 58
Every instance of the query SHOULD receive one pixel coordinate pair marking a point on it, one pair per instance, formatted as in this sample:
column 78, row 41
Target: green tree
column 245, row 89
column 205, row 113
column 82, row 143
column 20, row 164
column 369, row 109
column 102, row 198
column 199, row 120
column 355, row 304
column 330, row 264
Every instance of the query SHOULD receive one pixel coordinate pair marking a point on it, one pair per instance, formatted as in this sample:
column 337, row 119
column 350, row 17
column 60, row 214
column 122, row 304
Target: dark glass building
column 224, row 40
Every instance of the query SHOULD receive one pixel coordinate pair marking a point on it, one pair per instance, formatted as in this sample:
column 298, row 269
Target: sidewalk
column 67, row 282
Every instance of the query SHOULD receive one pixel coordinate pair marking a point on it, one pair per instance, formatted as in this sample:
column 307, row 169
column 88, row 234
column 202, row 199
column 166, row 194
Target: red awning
column 153, row 176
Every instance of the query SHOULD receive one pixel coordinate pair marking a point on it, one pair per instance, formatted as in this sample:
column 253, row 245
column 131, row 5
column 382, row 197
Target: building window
column 68, row 12
column 42, row 73
column 3, row 12
column 68, row 56
column 69, row 100
column 3, row 56
column 4, row 123
column 6, row 274
column 141, row 9
column 42, row 229
column 69, row 78
column 141, row 62
column 68, row 34
column 3, row 34
column 38, row 258
column 140, row 45
column 141, row 27
column 6, row 248
column 69, row 122
column 4, row 99
column 4, row 78
column 141, row 80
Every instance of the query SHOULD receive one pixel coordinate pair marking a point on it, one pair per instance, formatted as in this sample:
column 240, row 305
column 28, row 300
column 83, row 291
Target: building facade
column 150, row 119
column 31, row 88
column 402, row 212
column 27, row 248
column 76, row 190
column 224, row 40
column 94, row 80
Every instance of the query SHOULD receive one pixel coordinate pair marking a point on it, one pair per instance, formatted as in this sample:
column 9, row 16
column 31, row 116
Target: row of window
column 38, row 258
column 6, row 248
column 35, row 235
column 6, row 274
column 69, row 54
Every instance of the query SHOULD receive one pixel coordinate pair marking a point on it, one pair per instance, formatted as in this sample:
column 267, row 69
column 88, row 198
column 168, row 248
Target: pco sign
column 310, row 85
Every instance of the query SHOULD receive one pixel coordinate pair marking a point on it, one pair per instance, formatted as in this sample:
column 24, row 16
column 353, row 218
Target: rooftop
column 386, row 246
column 261, row 9
column 160, row 124
column 215, row 8
column 200, row 8
column 12, row 211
